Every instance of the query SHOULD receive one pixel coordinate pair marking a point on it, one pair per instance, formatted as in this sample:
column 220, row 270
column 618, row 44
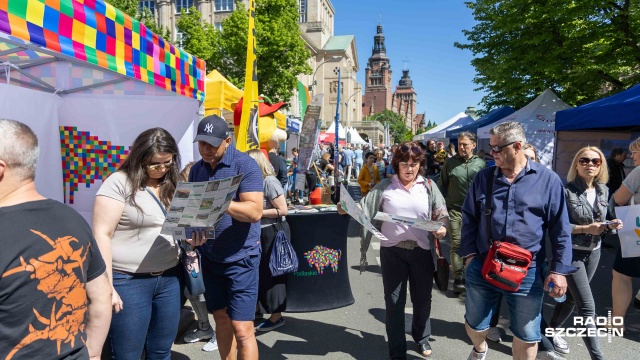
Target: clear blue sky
column 422, row 31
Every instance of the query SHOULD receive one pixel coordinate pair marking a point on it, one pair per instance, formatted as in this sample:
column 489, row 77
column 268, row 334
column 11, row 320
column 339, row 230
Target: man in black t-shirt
column 55, row 297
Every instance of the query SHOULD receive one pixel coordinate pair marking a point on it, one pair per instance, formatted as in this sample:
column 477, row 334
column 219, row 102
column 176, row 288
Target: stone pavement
column 358, row 331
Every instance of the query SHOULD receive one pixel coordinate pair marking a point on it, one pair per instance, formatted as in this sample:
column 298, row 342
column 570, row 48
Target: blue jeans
column 525, row 305
column 149, row 317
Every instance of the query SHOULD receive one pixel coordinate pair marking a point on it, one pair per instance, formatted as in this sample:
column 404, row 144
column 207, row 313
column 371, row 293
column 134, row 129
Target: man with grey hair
column 51, row 270
column 526, row 202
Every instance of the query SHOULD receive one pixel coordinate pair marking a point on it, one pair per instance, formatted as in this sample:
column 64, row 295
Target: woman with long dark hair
column 408, row 253
column 142, row 264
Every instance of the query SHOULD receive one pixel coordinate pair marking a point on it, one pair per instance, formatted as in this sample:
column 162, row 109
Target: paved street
column 358, row 331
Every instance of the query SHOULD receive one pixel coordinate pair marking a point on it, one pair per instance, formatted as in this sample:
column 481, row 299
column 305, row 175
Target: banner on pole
column 247, row 137
column 308, row 139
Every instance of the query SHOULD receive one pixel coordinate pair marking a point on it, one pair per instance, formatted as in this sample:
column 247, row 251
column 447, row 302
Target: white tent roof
column 355, row 137
column 538, row 119
column 463, row 121
column 342, row 134
column 431, row 134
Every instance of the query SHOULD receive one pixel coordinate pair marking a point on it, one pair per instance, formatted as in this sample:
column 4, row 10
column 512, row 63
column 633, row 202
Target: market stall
column 88, row 78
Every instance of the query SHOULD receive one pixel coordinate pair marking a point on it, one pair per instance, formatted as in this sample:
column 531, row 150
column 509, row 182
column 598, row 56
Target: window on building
column 224, row 5
column 147, row 4
column 183, row 4
column 302, row 11
column 218, row 26
column 179, row 38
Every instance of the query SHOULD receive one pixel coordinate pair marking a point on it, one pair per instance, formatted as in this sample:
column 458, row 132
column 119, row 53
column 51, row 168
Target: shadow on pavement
column 314, row 338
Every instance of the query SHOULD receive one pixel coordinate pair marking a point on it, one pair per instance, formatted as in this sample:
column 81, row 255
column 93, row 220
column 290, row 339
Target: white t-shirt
column 632, row 182
column 137, row 245
column 591, row 197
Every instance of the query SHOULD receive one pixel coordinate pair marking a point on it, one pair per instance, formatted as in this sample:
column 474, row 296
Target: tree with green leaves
column 397, row 129
column 132, row 8
column 582, row 50
column 282, row 54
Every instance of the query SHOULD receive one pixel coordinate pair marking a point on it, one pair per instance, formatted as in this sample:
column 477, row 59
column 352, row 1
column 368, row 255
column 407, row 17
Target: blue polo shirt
column 235, row 239
column 521, row 213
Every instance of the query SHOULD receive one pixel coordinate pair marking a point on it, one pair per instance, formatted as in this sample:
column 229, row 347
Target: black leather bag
column 441, row 275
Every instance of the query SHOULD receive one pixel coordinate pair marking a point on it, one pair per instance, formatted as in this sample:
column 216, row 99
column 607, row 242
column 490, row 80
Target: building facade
column 379, row 94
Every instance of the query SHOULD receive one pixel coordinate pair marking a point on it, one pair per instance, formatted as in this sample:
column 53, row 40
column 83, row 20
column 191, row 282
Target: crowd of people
column 121, row 281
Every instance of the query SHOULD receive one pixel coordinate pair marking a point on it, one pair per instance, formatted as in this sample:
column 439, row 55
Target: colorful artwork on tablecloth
column 86, row 158
column 97, row 33
column 321, row 257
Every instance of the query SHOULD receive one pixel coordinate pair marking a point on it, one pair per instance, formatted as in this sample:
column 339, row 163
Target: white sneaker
column 478, row 355
column 560, row 345
column 212, row 344
column 548, row 355
column 494, row 334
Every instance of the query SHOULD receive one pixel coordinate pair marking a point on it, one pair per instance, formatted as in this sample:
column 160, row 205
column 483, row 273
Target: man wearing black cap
column 231, row 260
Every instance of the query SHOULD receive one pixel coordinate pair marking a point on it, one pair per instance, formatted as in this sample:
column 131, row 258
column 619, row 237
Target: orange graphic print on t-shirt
column 56, row 276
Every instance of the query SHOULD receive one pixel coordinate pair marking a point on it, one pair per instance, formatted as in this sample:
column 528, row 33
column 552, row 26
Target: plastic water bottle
column 559, row 299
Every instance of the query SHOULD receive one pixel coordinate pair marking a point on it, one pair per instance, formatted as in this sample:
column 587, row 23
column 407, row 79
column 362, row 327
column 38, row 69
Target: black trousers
column 272, row 290
column 399, row 265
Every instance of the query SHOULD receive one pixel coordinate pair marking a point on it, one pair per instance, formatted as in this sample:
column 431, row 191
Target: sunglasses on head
column 158, row 167
column 414, row 149
column 585, row 161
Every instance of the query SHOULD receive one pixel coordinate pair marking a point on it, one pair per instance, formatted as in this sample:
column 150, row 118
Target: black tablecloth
column 322, row 280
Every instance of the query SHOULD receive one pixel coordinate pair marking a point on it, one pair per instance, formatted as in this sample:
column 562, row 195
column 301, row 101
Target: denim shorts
column 525, row 305
column 233, row 286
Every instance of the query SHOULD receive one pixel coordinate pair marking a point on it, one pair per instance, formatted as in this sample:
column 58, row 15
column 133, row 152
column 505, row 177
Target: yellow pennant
column 247, row 137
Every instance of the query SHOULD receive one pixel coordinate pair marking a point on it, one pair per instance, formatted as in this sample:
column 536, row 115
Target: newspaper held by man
column 199, row 206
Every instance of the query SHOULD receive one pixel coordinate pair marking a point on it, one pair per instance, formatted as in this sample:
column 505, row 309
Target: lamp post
column 346, row 103
column 313, row 82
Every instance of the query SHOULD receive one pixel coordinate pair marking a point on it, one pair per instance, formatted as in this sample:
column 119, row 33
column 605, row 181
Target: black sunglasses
column 414, row 149
column 498, row 148
column 585, row 161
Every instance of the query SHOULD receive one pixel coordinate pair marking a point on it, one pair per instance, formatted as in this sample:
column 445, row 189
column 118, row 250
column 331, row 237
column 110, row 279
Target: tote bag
column 630, row 234
column 283, row 258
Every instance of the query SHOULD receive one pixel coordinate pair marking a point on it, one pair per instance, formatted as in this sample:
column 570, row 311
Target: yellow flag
column 247, row 137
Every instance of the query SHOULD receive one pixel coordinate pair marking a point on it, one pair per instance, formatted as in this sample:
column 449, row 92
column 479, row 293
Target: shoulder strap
column 487, row 211
column 164, row 211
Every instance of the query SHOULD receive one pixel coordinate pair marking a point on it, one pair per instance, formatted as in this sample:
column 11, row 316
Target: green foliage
column 131, row 8
column 397, row 129
column 281, row 52
column 581, row 49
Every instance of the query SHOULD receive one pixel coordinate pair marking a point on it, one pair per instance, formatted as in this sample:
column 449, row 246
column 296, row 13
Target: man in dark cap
column 231, row 260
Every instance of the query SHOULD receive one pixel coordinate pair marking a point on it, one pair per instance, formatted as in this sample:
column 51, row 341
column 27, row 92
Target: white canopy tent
column 431, row 133
column 463, row 121
column 538, row 119
column 354, row 137
column 342, row 133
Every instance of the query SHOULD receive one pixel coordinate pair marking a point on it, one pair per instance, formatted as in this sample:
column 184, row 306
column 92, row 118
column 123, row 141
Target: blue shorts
column 233, row 286
column 525, row 305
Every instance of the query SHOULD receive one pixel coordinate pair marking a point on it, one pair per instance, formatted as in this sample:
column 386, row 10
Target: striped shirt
column 235, row 239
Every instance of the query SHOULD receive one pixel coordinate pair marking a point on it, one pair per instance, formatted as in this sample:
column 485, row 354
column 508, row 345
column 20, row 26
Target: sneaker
column 197, row 335
column 458, row 286
column 475, row 355
column 548, row 355
column 494, row 334
column 269, row 325
column 211, row 345
column 560, row 345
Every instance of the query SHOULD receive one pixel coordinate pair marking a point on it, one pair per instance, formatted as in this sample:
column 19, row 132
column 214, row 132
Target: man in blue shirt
column 527, row 202
column 349, row 156
column 231, row 260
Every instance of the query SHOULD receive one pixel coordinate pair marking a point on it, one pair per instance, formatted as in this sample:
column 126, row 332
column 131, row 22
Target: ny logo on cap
column 208, row 128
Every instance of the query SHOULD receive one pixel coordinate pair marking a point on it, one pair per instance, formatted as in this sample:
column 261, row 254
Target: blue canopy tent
column 610, row 122
column 621, row 110
column 488, row 118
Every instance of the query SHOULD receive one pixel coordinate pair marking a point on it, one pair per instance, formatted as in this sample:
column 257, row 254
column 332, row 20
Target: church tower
column 378, row 93
column 404, row 99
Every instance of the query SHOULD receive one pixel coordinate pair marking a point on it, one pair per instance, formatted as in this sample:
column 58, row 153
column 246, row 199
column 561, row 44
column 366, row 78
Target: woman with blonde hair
column 624, row 269
column 531, row 152
column 271, row 289
column 586, row 193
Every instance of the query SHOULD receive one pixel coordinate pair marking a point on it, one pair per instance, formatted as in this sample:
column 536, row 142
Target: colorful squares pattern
column 86, row 158
column 96, row 32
